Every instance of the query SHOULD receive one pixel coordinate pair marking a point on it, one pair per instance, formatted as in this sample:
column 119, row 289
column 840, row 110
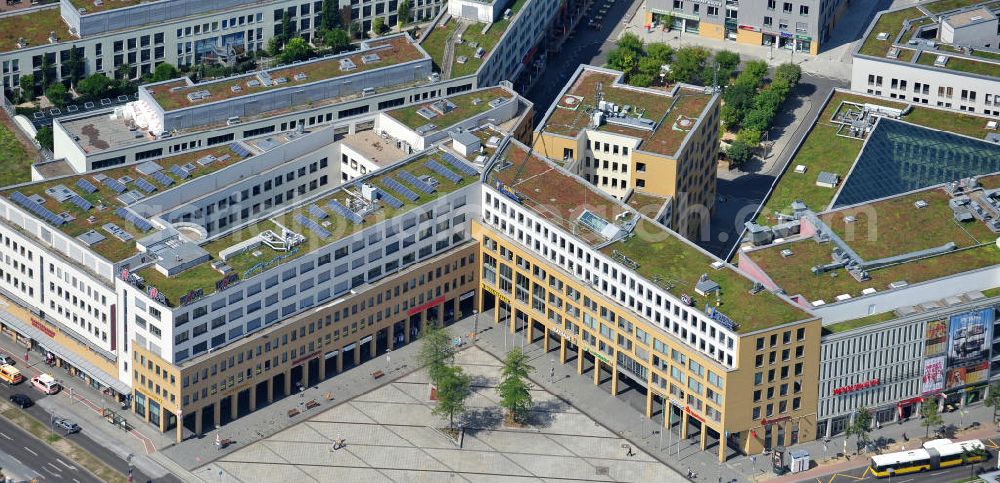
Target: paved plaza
column 390, row 436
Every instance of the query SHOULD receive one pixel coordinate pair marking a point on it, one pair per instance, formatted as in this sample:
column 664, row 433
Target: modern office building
column 899, row 257
column 656, row 148
column 623, row 296
column 494, row 40
column 178, row 116
column 925, row 55
column 147, row 278
column 112, row 33
column 804, row 25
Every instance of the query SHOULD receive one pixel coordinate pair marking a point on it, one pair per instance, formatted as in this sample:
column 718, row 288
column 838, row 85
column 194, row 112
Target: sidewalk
column 833, row 62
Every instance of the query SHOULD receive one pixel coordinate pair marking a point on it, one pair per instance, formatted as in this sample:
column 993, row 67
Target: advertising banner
column 969, row 337
column 937, row 338
column 934, row 372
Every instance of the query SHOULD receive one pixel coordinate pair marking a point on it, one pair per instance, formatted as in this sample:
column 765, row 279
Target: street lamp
column 475, row 326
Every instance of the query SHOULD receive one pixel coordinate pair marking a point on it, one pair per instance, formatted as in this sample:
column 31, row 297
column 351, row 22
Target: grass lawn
column 34, row 27
column 15, row 162
column 435, row 41
column 464, row 109
column 964, row 65
column 945, row 5
column 890, row 23
column 679, row 265
column 857, row 323
column 986, row 55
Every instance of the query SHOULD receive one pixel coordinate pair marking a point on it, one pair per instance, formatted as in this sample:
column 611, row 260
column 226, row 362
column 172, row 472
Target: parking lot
column 45, row 116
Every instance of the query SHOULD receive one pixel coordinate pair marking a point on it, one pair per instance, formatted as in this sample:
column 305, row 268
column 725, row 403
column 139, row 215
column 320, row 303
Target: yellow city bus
column 939, row 453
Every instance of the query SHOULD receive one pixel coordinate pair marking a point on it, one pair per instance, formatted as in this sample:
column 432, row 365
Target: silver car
column 66, row 425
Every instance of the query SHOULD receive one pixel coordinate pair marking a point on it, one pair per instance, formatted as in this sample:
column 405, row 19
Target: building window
column 786, row 7
column 804, row 10
column 768, row 21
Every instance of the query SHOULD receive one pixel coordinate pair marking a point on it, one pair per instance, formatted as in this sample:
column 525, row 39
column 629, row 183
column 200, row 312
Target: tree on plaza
column 625, row 60
column 165, row 71
column 739, row 153
column 513, row 388
column 75, row 65
column 662, row 53
column 296, row 49
column 44, row 137
column 27, row 84
column 435, row 352
column 94, row 86
column 287, row 29
column 452, row 391
column 689, row 63
column 788, row 72
column 378, row 25
column 329, row 16
column 929, row 414
column 860, row 426
column 632, row 42
column 722, row 67
column 337, row 39
column 738, row 101
column 404, row 12
column 753, row 73
column 992, row 399
column 48, row 72
column 57, row 94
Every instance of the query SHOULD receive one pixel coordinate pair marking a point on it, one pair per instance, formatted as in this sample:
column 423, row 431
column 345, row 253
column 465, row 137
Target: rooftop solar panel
column 389, row 199
column 37, row 209
column 86, row 186
column 134, row 219
column 311, row 226
column 81, row 202
column 317, row 212
column 416, row 182
column 396, row 186
column 447, row 173
column 180, row 172
column 114, row 184
column 459, row 164
column 346, row 213
column 144, row 185
column 163, row 179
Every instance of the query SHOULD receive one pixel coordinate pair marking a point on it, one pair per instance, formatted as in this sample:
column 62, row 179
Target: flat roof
column 391, row 51
column 554, row 194
column 96, row 132
column 248, row 264
column 449, row 110
column 662, row 256
column 968, row 17
column 904, row 24
column 113, row 248
column 92, row 7
column 674, row 115
column 823, row 149
column 914, row 223
column 648, row 204
column 34, row 26
column 436, row 41
column 374, row 148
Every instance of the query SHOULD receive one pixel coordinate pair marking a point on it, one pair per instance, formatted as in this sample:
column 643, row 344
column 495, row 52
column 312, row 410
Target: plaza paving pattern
column 390, row 436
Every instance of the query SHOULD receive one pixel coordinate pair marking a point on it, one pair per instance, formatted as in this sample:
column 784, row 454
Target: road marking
column 5, row 436
column 76, row 480
column 66, row 465
column 54, row 466
column 57, row 475
column 30, row 450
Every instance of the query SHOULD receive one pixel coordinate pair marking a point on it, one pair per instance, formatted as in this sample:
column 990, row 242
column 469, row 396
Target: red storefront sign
column 765, row 421
column 42, row 327
column 421, row 308
column 856, row 387
column 305, row 357
column 691, row 413
column 912, row 400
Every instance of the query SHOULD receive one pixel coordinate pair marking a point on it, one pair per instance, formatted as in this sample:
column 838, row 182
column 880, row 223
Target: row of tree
column 453, row 385
column 749, row 106
column 644, row 64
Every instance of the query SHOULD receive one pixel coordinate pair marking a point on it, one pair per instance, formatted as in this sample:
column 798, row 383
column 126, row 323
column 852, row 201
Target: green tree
column 124, row 74
column 739, row 154
column 94, row 86
column 929, row 414
column 404, row 12
column 44, row 137
column 689, row 63
column 48, row 72
column 287, row 29
column 514, row 389
column 435, row 352
column 452, row 391
column 641, row 79
column 296, row 49
column 753, row 73
column 648, row 67
column 632, row 42
column 378, row 26
column 726, row 62
column 329, row 17
column 788, row 72
column 75, row 65
column 661, row 52
column 57, row 94
column 750, row 137
column 337, row 39
column 738, row 100
column 27, row 84
column 768, row 99
column 992, row 399
column 165, row 71
column 356, row 30
column 274, row 46
column 860, row 426
column 758, row 119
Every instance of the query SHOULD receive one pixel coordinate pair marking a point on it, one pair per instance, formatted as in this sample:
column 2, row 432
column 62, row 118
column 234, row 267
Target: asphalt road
column 39, row 457
column 939, row 476
column 47, row 457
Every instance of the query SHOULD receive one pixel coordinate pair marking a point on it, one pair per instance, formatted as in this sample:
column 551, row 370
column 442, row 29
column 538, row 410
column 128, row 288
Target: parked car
column 7, row 360
column 66, row 425
column 21, row 400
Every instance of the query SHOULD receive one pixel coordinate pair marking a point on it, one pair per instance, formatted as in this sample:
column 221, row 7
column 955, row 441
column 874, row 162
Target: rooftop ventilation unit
column 347, row 64
column 920, row 204
column 786, row 253
column 370, row 58
column 882, row 36
column 941, row 61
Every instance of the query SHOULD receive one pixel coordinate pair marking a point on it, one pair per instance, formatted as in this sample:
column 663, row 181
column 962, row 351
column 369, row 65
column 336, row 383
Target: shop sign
column 765, row 421
column 711, row 3
column 503, row 298
column 421, row 308
column 803, row 37
column 564, row 335
column 42, row 327
column 687, row 409
column 504, row 190
column 158, row 399
column 719, row 317
column 599, row 356
column 912, row 400
column 785, row 35
column 750, row 28
column 856, row 387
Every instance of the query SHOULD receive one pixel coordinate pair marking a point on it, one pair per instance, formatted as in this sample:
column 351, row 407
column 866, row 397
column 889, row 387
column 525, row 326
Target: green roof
column 111, row 247
column 436, row 41
column 467, row 105
column 34, row 27
column 858, row 323
column 824, row 150
column 676, row 265
column 991, row 69
column 204, row 276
